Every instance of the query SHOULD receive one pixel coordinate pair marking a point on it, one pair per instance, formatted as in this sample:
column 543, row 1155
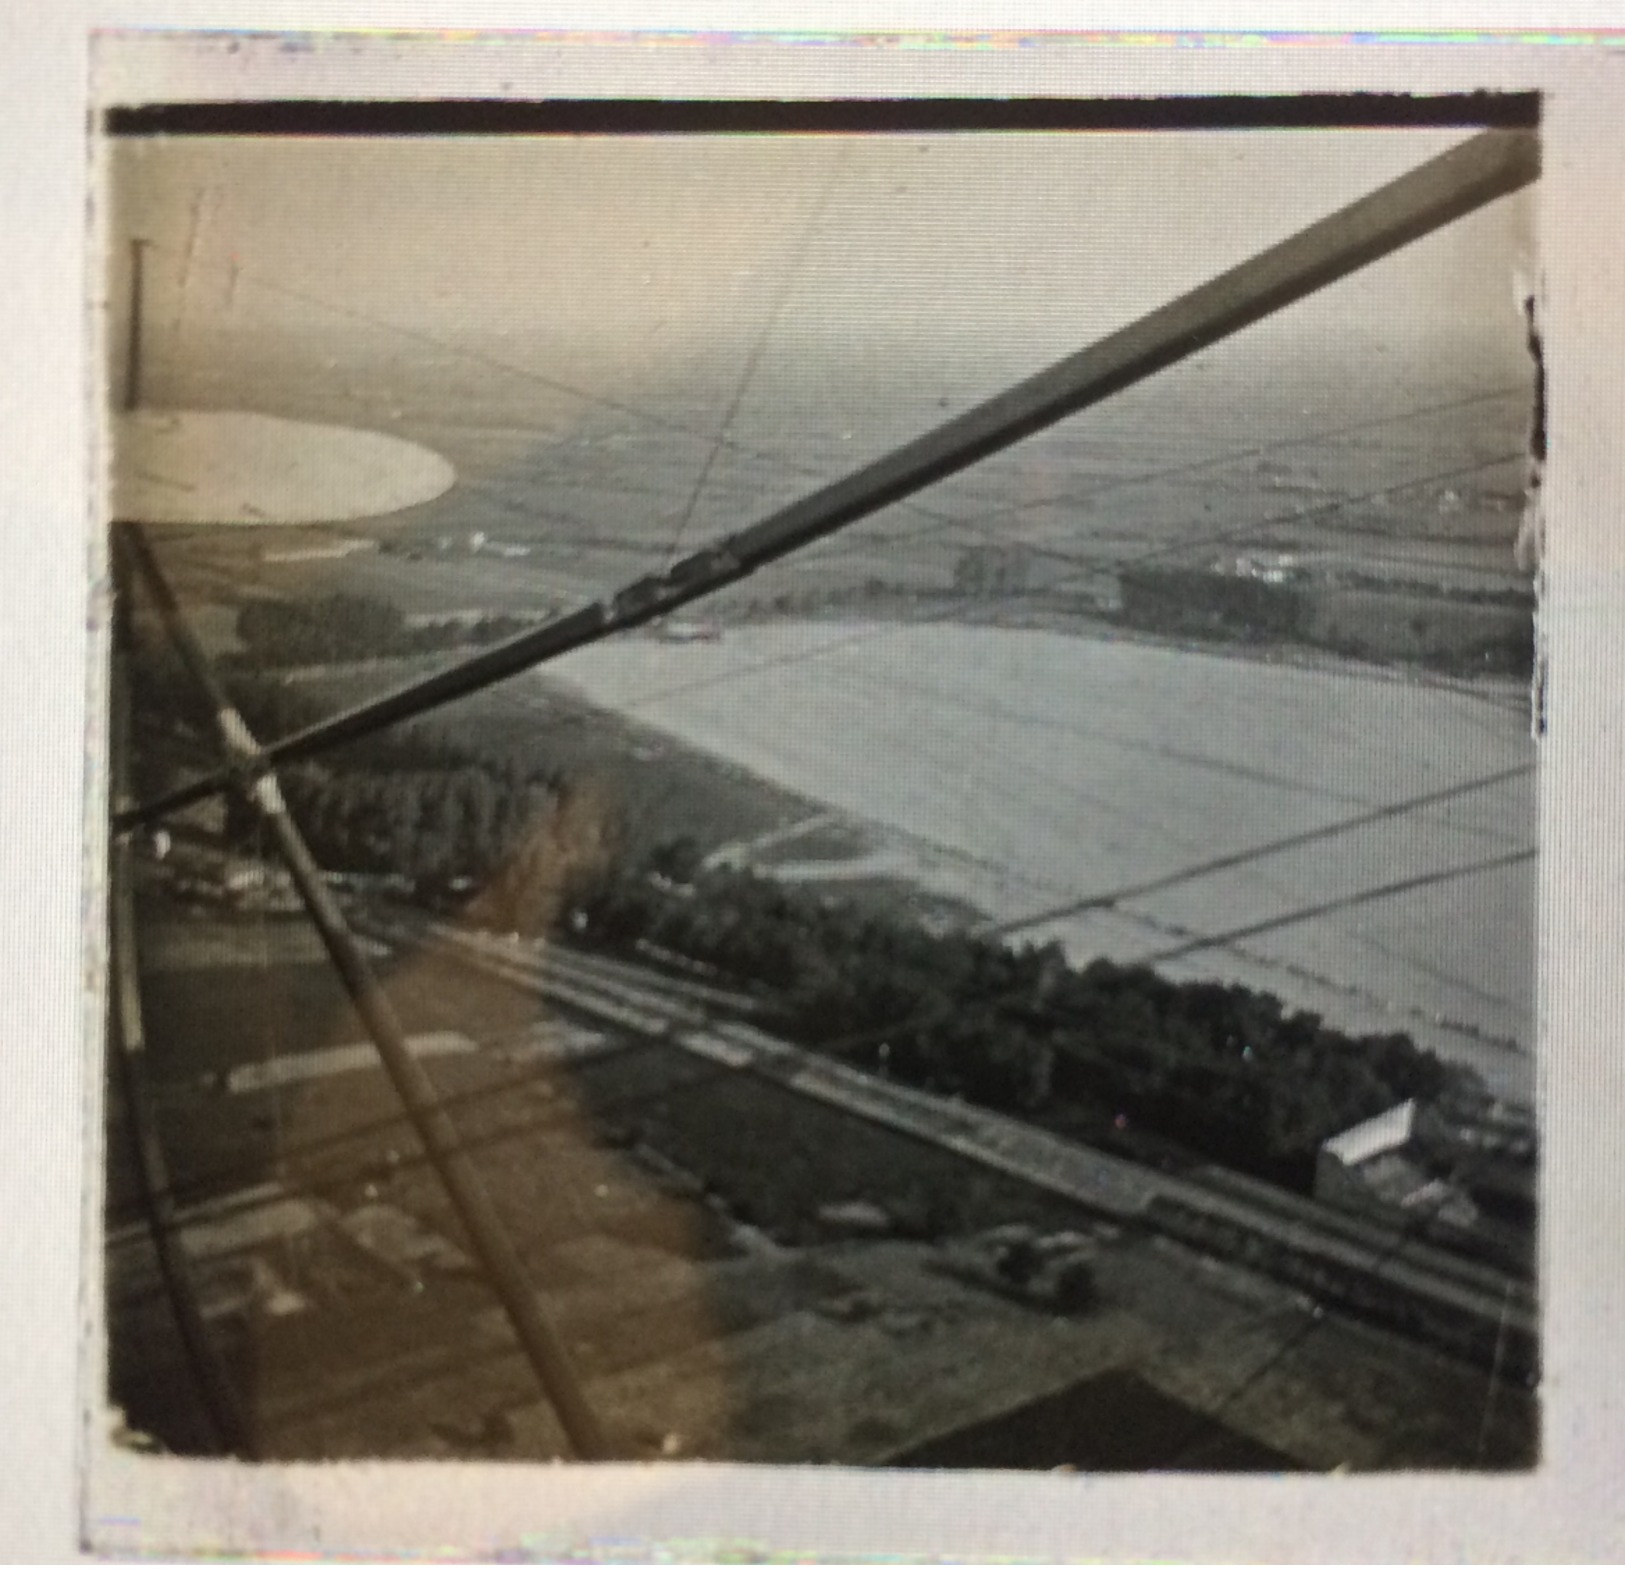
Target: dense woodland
column 1221, row 1070
column 337, row 628
column 1459, row 632
column 452, row 820
column 491, row 830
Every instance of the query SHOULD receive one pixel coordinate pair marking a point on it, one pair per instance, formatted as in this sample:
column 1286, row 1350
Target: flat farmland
column 1358, row 842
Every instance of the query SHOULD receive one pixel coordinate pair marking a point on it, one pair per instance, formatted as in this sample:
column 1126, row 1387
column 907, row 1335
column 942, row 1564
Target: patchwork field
column 1358, row 842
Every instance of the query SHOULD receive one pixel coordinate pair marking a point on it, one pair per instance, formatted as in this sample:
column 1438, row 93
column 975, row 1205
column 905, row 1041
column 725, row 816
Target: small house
column 1380, row 1164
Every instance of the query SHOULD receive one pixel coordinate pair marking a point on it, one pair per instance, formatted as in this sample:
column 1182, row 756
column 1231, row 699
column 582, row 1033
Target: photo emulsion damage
column 856, row 798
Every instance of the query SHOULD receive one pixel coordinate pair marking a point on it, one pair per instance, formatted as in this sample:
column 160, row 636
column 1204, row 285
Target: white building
column 1377, row 1164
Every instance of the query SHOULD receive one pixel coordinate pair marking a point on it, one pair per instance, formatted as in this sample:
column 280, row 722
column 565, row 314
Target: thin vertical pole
column 1495, row 1371
column 132, row 348
column 495, row 1249
column 221, row 1400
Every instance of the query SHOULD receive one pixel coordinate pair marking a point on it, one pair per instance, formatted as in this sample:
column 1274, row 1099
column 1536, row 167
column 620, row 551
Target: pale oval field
column 1028, row 771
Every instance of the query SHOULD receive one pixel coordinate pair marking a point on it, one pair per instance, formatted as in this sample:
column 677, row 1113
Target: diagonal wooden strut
column 221, row 1401
column 1490, row 165
column 490, row 1241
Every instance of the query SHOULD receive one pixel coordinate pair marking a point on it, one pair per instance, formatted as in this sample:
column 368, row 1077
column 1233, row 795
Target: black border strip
column 706, row 117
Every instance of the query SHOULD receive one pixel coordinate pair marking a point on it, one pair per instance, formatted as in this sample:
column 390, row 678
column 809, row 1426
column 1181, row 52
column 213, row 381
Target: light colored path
column 740, row 851
column 301, row 1068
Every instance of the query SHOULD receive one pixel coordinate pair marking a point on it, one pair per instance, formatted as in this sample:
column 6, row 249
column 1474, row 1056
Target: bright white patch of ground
column 741, row 853
column 1023, row 771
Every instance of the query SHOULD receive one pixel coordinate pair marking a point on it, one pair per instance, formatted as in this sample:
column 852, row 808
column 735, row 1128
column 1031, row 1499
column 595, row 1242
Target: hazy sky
column 627, row 258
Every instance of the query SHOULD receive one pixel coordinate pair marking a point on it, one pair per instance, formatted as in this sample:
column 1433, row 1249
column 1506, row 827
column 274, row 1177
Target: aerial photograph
column 859, row 799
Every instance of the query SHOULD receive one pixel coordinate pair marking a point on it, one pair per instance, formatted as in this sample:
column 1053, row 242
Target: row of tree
column 341, row 627
column 1455, row 632
column 1222, row 1069
column 437, row 827
column 475, row 823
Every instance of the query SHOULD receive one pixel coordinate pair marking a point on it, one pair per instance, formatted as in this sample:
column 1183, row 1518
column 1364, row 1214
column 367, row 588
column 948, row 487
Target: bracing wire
column 747, row 374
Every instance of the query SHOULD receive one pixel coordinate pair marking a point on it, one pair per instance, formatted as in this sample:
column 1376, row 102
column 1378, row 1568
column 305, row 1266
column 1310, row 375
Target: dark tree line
column 341, row 627
column 271, row 709
column 1224, row 1070
column 482, row 827
column 437, row 827
column 1451, row 630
